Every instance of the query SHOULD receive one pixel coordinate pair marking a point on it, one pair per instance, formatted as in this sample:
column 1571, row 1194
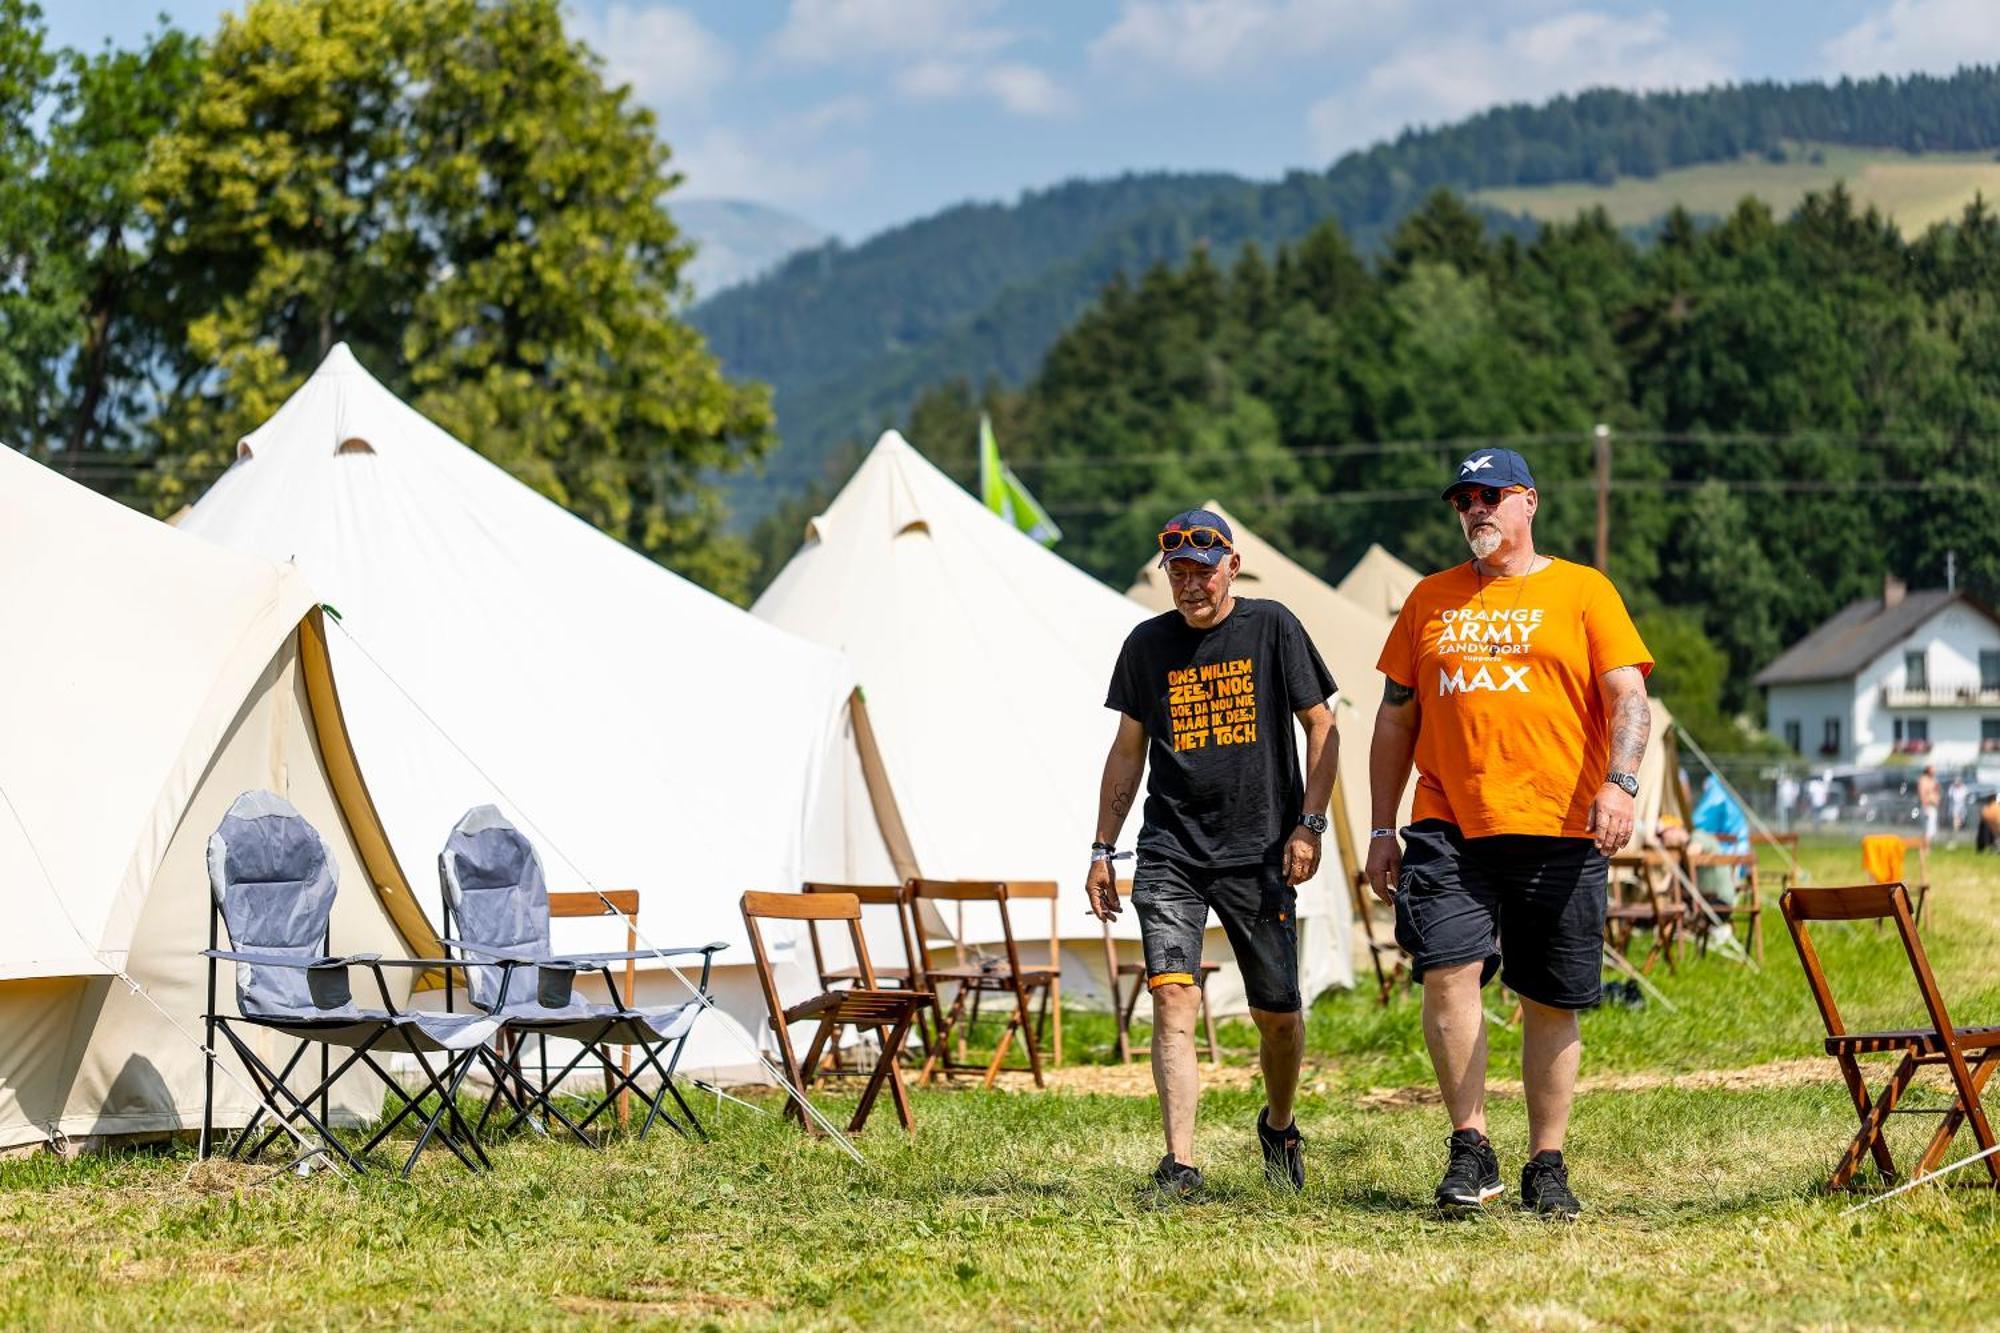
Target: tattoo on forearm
column 1396, row 694
column 1629, row 727
column 1121, row 800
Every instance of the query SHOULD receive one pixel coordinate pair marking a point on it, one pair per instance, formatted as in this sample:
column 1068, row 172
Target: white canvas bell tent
column 148, row 680
column 1379, row 582
column 493, row 647
column 1349, row 638
column 986, row 659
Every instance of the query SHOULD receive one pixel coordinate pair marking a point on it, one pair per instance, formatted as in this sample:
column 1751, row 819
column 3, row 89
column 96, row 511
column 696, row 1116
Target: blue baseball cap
column 1188, row 520
column 1492, row 467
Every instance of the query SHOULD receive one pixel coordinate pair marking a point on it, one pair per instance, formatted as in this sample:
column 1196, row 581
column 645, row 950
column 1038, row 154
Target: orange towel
column 1882, row 857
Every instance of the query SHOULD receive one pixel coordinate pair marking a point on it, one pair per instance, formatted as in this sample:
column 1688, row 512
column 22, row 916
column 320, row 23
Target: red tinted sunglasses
column 1489, row 496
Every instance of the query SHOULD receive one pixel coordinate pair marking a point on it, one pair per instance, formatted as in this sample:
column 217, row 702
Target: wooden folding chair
column 1939, row 1044
column 1654, row 905
column 612, row 902
column 1391, row 963
column 1123, row 1007
column 888, row 1013
column 910, row 976
column 1749, row 904
column 976, row 977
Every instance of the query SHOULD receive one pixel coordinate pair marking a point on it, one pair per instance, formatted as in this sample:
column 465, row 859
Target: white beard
column 1483, row 541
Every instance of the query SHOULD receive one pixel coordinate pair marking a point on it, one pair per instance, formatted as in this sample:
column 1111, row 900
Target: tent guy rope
column 309, row 1149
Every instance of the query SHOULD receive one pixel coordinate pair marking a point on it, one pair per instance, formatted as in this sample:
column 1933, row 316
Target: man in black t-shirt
column 1209, row 691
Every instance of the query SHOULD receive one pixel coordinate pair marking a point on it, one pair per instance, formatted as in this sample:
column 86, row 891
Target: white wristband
column 1375, row 833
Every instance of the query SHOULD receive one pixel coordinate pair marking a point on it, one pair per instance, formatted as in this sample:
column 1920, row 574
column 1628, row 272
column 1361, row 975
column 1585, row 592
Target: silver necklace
column 1492, row 648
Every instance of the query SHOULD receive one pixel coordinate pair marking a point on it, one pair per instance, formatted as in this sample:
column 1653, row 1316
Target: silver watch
column 1317, row 823
column 1626, row 782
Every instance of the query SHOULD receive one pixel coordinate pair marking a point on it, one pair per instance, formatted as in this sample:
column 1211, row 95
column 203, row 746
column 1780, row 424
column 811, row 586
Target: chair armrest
column 623, row 955
column 488, row 953
column 275, row 959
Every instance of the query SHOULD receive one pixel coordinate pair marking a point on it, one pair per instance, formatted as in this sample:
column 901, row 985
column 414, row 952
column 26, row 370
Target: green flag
column 1006, row 496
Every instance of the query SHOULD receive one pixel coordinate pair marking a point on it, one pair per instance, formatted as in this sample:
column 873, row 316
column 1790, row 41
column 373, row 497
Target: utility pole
column 1951, row 571
column 1602, row 437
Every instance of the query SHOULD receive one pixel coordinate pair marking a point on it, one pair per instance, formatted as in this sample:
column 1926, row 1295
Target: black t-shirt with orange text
column 1217, row 705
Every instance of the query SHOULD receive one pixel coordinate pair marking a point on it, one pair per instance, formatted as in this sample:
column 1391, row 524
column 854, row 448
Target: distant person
column 1517, row 686
column 1957, row 794
column 1929, row 796
column 1816, row 793
column 1788, row 800
column 1209, row 690
column 1720, row 827
column 1987, row 838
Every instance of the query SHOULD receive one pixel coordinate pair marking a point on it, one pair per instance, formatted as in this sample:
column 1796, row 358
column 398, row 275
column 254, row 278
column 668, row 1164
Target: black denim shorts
column 1531, row 908
column 1258, row 911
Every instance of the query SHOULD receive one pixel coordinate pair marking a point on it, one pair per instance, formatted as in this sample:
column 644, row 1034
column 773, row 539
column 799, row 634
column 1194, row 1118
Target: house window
column 1830, row 737
column 1795, row 742
column 1989, row 669
column 1918, row 732
column 1916, row 673
column 1989, row 734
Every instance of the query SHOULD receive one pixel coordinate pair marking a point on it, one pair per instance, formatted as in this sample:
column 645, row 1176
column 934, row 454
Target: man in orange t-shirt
column 1516, row 683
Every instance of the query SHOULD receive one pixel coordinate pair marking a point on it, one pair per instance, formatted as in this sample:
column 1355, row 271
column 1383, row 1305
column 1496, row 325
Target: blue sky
column 860, row 114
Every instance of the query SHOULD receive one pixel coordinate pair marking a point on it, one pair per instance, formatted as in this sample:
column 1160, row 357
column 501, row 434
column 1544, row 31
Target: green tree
column 35, row 328
column 110, row 108
column 451, row 187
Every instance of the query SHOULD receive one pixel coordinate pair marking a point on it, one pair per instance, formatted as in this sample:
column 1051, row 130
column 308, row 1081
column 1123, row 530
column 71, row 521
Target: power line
column 114, row 467
column 1429, row 494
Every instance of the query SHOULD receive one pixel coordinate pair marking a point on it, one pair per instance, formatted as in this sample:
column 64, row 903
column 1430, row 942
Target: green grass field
column 1698, row 1146
column 1914, row 190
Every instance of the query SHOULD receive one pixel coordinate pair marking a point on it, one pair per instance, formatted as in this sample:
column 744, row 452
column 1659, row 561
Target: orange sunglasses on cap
column 1199, row 538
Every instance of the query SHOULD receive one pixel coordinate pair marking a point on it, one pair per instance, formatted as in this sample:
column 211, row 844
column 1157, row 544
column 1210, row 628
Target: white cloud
column 1025, row 90
column 1442, row 78
column 1021, row 89
column 663, row 51
column 828, row 32
column 779, row 167
column 935, row 50
column 1906, row 36
column 1206, row 39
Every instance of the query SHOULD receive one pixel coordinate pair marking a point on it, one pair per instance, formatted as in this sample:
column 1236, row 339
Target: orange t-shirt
column 1512, row 735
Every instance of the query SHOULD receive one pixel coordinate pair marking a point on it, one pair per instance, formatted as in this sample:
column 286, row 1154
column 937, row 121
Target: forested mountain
column 848, row 336
column 1798, row 407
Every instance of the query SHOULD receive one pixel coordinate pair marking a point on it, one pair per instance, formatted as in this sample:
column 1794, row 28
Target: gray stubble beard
column 1483, row 541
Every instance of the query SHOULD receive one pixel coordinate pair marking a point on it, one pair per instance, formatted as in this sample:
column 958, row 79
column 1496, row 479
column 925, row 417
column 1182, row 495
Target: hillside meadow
column 1917, row 190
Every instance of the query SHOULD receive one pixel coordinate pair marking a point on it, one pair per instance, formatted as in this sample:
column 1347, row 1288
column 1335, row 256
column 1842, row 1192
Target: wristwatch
column 1626, row 782
column 1317, row 823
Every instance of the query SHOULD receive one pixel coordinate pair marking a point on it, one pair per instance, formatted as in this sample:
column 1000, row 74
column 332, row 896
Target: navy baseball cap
column 1187, row 521
column 1492, row 467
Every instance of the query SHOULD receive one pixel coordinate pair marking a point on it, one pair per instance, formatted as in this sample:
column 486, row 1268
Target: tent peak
column 339, row 360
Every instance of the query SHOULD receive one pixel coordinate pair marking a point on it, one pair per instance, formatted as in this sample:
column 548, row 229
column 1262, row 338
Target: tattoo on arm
column 1396, row 694
column 1121, row 800
column 1629, row 726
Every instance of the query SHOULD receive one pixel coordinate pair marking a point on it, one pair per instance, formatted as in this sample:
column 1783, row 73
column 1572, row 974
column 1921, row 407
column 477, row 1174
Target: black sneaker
column 1284, row 1152
column 1473, row 1174
column 1545, row 1187
column 1176, row 1181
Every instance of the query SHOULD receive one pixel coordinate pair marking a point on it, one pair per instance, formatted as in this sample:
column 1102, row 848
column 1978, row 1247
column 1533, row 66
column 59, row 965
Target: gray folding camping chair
column 272, row 883
column 496, row 909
